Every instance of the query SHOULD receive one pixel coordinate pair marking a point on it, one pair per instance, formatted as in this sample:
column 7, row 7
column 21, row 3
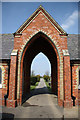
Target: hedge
column 46, row 77
column 34, row 79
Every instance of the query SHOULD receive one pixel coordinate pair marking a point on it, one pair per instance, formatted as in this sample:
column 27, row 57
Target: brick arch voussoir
column 56, row 46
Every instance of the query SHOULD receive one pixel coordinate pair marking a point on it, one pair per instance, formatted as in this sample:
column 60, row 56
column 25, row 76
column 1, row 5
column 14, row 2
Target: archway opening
column 40, row 72
column 39, row 43
column 41, row 65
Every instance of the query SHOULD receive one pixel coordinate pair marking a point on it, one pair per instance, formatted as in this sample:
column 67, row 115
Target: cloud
column 70, row 21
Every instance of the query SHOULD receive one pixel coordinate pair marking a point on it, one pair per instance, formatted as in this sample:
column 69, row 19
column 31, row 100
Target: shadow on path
column 37, row 91
column 7, row 116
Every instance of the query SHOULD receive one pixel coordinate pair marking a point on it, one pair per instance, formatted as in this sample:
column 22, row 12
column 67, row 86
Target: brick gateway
column 40, row 33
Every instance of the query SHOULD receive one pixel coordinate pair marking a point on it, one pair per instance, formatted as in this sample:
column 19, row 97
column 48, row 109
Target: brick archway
column 41, row 43
column 40, row 24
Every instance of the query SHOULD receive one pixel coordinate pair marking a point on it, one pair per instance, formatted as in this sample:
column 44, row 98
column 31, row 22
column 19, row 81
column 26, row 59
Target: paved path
column 40, row 104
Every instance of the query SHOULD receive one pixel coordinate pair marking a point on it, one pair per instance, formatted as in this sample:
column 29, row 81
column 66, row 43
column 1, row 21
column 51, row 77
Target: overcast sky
column 14, row 15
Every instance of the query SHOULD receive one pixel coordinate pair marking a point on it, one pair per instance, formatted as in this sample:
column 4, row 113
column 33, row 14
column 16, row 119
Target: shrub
column 38, row 78
column 33, row 80
column 46, row 77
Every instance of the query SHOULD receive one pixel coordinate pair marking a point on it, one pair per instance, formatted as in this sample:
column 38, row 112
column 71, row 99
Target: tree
column 47, row 73
column 32, row 73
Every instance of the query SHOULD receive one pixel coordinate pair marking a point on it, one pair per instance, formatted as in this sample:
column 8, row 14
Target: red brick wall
column 78, row 97
column 11, row 102
column 75, row 79
column 67, row 82
column 4, row 89
column 0, row 97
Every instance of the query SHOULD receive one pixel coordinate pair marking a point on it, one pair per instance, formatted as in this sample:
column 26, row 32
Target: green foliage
column 34, row 79
column 32, row 73
column 48, row 86
column 46, row 77
column 32, row 87
column 38, row 78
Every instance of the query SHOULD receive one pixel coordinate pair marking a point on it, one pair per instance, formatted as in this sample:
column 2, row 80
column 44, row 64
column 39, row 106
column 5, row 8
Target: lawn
column 48, row 86
column 32, row 87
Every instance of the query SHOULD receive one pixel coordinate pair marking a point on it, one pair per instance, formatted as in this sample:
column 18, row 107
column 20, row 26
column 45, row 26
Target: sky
column 14, row 14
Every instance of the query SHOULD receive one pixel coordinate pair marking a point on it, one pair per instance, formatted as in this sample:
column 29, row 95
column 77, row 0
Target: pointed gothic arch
column 34, row 34
column 45, row 62
column 25, row 48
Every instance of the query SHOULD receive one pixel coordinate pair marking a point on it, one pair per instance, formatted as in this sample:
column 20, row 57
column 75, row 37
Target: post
column 11, row 101
column 67, row 80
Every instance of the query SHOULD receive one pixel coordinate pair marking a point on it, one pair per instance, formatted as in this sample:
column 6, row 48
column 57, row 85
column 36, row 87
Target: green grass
column 32, row 87
column 48, row 86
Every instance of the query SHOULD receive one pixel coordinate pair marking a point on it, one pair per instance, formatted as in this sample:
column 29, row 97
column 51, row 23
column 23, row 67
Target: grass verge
column 32, row 87
column 48, row 86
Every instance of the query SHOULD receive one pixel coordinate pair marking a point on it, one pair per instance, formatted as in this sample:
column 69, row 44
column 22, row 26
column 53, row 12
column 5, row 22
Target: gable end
column 45, row 13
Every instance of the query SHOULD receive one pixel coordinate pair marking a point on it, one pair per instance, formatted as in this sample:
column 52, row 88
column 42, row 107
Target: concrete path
column 40, row 104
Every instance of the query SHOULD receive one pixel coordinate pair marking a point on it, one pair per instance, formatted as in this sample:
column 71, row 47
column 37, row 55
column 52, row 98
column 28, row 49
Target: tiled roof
column 8, row 43
column 72, row 43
